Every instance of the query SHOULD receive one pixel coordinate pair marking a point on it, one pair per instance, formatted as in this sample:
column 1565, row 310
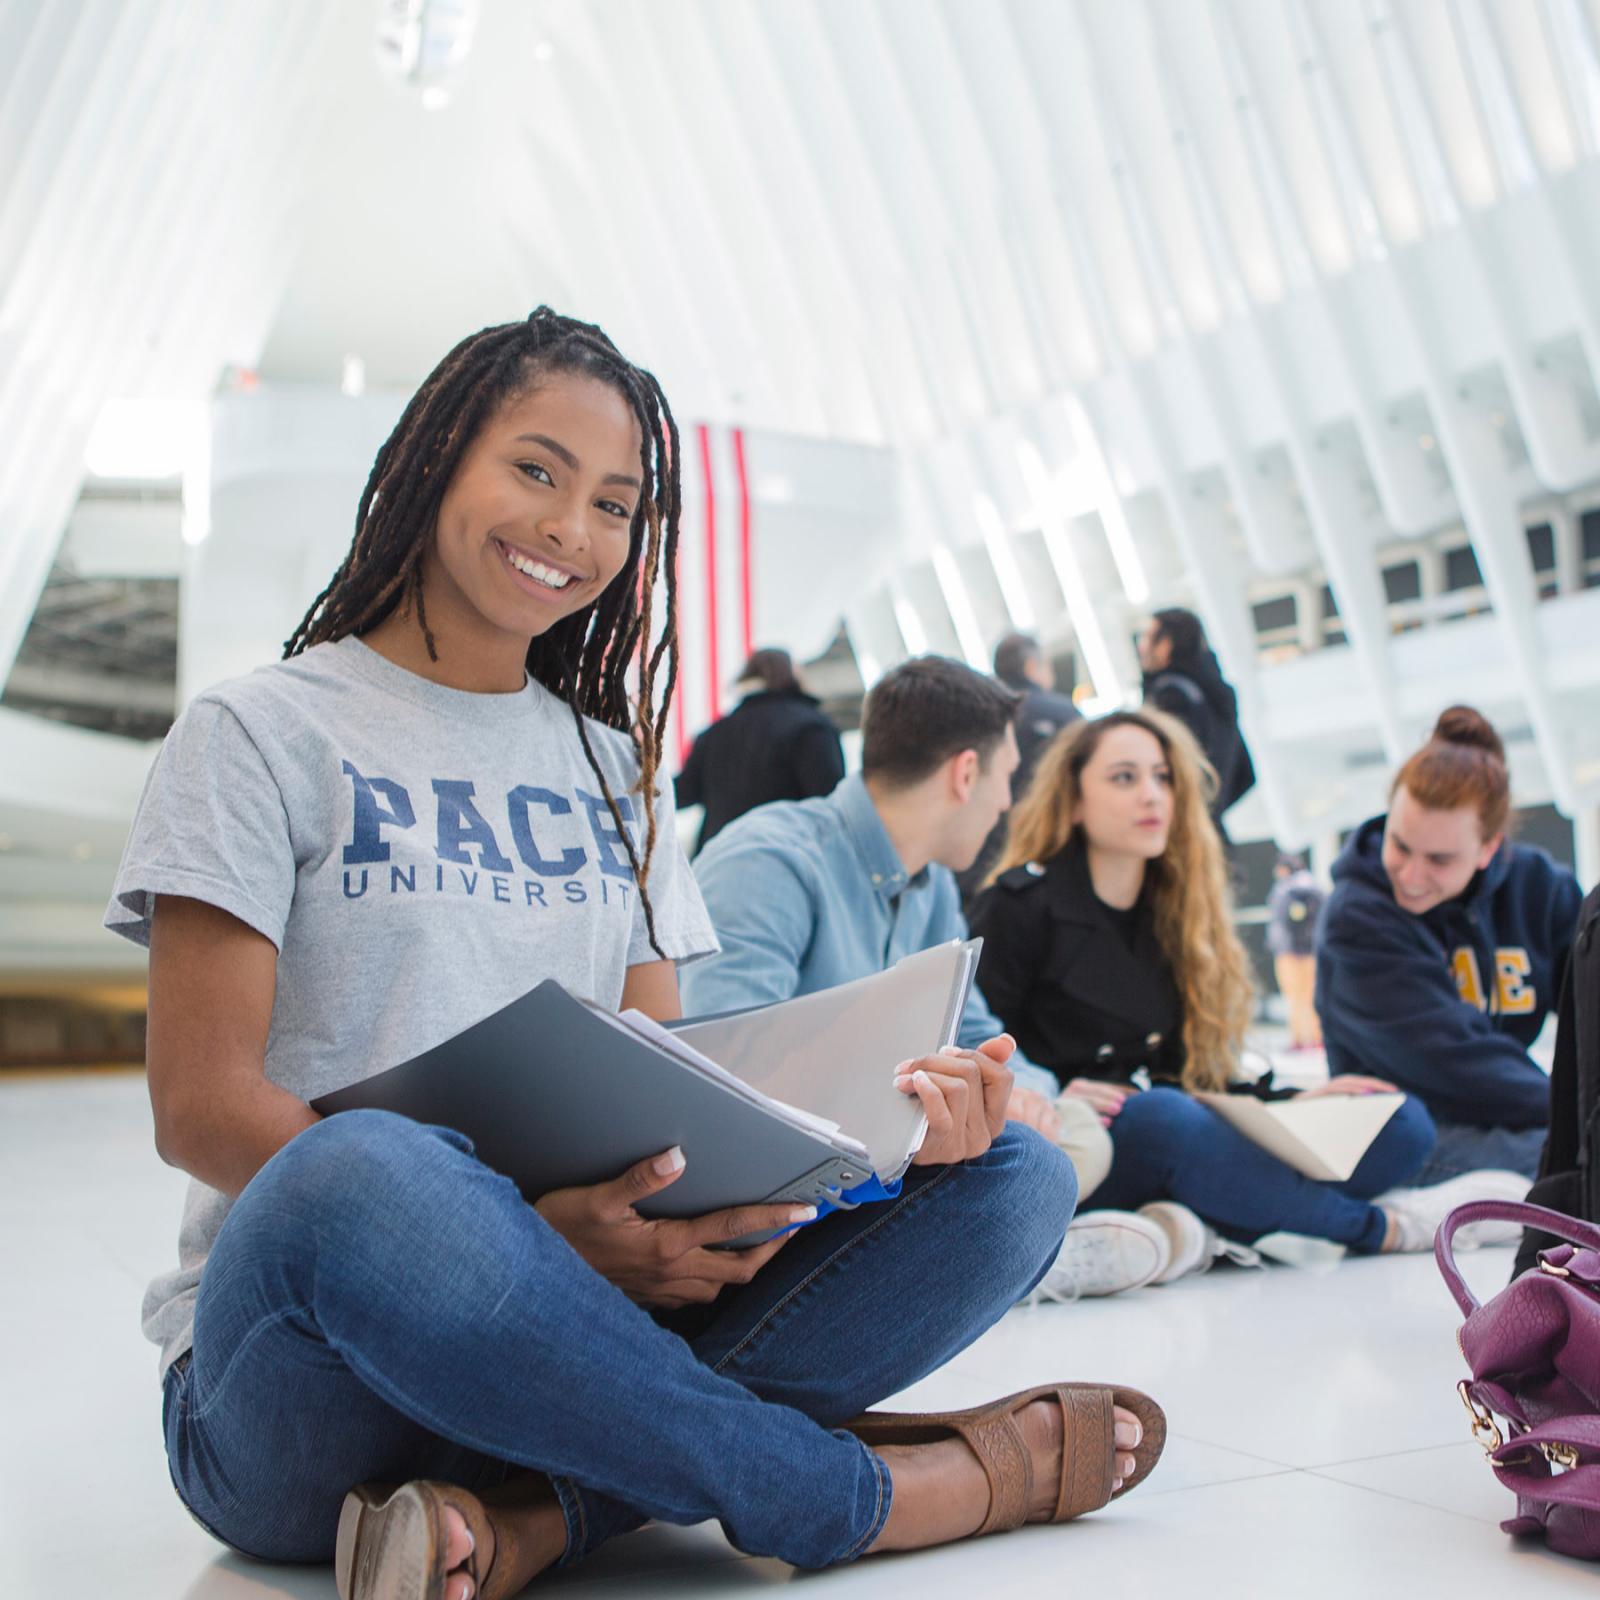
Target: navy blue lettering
column 502, row 890
column 405, row 875
column 534, row 891
column 518, row 801
column 607, row 841
column 438, row 879
column 356, row 894
column 365, row 843
column 469, row 880
column 575, row 892
column 460, row 825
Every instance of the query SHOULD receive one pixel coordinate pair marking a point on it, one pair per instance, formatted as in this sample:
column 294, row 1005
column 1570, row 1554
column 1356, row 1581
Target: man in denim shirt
column 808, row 894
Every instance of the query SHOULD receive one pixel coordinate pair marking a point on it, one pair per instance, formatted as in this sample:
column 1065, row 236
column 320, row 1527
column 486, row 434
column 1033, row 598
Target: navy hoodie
column 1446, row 1004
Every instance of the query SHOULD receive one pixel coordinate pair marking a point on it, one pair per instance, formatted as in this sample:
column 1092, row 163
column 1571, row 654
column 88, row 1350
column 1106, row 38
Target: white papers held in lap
column 649, row 1028
column 833, row 1054
column 1324, row 1138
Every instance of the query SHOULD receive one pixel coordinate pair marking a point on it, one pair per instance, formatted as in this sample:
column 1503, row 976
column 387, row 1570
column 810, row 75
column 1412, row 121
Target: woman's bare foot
column 941, row 1492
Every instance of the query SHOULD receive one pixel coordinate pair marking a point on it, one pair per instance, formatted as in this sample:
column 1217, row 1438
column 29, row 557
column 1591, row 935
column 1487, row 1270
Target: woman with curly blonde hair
column 1109, row 953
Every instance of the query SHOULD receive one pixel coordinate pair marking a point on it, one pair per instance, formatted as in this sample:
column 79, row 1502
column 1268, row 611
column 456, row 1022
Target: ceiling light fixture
column 422, row 44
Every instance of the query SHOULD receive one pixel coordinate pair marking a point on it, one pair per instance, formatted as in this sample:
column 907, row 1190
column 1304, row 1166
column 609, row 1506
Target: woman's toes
column 1125, row 1466
column 458, row 1541
column 1126, row 1429
column 458, row 1587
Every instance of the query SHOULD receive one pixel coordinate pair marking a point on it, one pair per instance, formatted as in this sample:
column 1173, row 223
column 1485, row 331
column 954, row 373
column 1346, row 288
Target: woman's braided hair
column 584, row 658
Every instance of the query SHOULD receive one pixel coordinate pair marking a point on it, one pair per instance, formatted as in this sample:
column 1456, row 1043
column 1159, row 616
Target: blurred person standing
column 776, row 744
column 1293, row 908
column 1021, row 665
column 1182, row 678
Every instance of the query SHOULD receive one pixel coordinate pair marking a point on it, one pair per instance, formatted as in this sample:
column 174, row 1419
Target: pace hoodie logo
column 532, row 846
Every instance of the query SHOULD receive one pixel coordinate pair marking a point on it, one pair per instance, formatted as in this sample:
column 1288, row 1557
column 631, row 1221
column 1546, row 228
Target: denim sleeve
column 764, row 917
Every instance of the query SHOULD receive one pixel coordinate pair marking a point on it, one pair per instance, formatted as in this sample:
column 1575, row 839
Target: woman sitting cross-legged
column 1109, row 953
column 375, row 1351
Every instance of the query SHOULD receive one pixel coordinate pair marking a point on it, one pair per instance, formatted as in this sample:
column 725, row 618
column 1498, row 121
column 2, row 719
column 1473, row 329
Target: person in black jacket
column 776, row 744
column 1021, row 665
column 1182, row 678
column 1109, row 954
column 1442, row 950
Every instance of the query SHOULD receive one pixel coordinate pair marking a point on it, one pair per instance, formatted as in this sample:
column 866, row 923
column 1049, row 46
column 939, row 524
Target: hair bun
column 1464, row 725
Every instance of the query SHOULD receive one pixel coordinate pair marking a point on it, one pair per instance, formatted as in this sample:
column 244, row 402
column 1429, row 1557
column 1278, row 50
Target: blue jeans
column 1463, row 1148
column 1168, row 1146
column 380, row 1305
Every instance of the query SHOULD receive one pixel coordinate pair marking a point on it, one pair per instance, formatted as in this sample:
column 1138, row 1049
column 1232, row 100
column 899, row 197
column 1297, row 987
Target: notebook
column 788, row 1102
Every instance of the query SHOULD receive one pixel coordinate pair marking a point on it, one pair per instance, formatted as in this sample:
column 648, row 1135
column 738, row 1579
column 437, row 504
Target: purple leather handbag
column 1534, row 1355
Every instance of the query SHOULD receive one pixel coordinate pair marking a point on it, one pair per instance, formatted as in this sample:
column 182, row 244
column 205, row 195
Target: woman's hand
column 964, row 1094
column 1349, row 1083
column 1032, row 1110
column 663, row 1263
column 1106, row 1098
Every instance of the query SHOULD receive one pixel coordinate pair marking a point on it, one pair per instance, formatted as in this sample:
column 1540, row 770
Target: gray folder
column 555, row 1092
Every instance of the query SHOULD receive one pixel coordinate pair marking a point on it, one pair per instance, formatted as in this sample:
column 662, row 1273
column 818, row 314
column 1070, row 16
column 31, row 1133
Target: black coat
column 1194, row 691
column 1057, row 971
column 1041, row 716
column 774, row 745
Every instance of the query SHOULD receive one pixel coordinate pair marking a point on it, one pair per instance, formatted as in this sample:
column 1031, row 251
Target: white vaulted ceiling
column 1197, row 300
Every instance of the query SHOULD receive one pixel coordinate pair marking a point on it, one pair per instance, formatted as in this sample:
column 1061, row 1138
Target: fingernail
column 665, row 1165
column 803, row 1214
column 922, row 1077
column 472, row 1544
column 904, row 1069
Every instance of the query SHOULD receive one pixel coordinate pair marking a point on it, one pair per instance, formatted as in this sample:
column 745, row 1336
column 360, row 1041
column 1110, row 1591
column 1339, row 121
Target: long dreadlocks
column 584, row 658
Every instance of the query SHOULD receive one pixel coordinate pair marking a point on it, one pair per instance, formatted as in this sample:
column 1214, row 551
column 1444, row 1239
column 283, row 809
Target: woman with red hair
column 1443, row 948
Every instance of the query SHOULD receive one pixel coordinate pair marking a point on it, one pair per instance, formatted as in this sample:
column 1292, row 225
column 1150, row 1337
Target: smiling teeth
column 536, row 570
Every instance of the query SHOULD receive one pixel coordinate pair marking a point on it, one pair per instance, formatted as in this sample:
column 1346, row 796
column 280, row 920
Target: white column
column 287, row 468
column 1586, row 846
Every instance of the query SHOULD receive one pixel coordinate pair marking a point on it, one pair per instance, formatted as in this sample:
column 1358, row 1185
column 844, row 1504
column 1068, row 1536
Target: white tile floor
column 1318, row 1447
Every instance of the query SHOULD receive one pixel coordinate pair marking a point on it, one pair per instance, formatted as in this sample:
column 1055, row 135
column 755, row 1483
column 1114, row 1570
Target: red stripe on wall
column 746, row 586
column 709, row 487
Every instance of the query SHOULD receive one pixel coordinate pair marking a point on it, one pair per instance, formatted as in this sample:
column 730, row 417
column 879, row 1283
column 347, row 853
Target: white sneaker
column 1417, row 1213
column 1104, row 1252
column 1192, row 1245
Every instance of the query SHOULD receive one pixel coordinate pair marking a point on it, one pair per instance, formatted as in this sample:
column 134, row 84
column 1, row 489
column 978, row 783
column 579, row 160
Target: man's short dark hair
column 1013, row 655
column 927, row 710
column 773, row 669
column 1184, row 629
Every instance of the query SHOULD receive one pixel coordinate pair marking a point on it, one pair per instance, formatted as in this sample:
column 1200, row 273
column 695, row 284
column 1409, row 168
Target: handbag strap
column 1540, row 1217
column 1579, row 1486
column 1577, row 1428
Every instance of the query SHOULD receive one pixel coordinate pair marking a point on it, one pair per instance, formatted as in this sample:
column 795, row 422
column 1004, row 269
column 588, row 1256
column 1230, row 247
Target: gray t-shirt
column 420, row 856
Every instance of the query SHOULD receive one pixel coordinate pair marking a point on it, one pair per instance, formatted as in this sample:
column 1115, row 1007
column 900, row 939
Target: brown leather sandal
column 1088, row 1446
column 391, row 1542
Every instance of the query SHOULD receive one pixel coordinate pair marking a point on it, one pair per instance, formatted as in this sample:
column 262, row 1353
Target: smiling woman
column 1443, row 949
column 476, row 479
column 440, row 798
